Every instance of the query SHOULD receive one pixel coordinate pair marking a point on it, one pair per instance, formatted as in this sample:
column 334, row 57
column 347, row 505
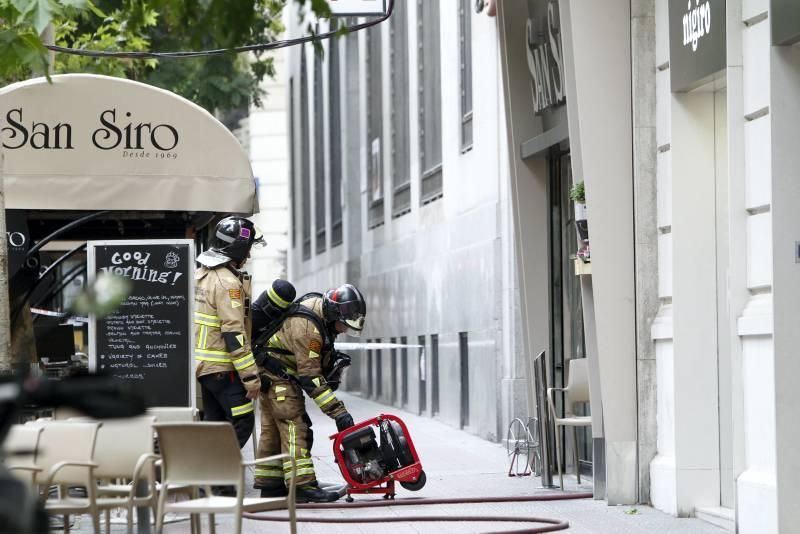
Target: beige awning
column 86, row 142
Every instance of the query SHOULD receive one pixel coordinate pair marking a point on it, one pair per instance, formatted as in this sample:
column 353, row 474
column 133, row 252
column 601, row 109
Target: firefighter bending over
column 226, row 368
column 299, row 357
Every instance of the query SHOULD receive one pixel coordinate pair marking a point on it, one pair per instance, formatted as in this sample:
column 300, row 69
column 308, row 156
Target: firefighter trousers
column 224, row 399
column 285, row 429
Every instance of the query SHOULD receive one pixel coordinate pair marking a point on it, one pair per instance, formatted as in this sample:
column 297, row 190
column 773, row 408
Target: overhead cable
column 261, row 47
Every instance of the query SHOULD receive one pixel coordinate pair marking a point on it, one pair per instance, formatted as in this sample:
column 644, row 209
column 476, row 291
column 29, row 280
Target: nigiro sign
column 697, row 42
column 86, row 142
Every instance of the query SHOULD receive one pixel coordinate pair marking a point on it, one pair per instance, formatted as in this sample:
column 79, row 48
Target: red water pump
column 371, row 465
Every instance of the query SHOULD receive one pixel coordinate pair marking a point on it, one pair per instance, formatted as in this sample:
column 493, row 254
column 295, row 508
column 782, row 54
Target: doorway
column 567, row 341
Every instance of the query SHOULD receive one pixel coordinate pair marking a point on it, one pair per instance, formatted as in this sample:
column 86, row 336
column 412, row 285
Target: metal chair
column 577, row 391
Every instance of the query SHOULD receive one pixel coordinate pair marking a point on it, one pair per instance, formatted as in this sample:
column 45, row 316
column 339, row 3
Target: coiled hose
column 551, row 525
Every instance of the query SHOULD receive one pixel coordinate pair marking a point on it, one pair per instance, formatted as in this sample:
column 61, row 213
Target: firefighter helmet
column 232, row 240
column 345, row 304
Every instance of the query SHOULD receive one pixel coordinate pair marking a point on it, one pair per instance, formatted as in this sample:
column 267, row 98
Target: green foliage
column 95, row 30
column 578, row 193
column 222, row 83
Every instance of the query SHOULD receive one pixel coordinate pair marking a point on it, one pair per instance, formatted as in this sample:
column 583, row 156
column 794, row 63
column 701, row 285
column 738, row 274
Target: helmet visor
column 355, row 326
column 258, row 237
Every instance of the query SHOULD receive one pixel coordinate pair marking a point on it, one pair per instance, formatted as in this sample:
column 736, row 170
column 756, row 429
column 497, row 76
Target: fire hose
column 551, row 525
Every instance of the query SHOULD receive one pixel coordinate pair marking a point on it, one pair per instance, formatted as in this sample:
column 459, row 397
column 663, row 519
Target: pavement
column 457, row 464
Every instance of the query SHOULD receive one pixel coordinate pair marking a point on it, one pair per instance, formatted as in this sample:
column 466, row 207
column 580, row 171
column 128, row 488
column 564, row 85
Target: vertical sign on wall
column 148, row 340
column 697, row 46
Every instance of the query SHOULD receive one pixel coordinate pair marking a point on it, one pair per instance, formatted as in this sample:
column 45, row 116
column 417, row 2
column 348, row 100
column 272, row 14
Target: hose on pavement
column 551, row 525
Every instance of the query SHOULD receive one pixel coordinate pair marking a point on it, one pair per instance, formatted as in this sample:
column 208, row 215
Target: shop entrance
column 567, row 340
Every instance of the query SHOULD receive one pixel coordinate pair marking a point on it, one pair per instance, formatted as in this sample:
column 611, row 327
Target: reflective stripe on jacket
column 221, row 307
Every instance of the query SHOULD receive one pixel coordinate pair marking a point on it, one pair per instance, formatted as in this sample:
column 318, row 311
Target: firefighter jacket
column 302, row 355
column 222, row 325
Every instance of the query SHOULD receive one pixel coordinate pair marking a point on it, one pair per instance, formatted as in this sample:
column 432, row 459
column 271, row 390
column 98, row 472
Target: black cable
column 261, row 47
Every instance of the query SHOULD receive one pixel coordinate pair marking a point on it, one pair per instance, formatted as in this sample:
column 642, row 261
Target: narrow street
column 457, row 465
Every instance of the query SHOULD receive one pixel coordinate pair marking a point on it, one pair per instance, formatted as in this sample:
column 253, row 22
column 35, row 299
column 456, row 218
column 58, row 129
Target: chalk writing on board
column 134, row 265
column 147, row 340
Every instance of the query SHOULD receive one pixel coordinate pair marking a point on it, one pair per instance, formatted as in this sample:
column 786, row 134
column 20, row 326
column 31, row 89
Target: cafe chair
column 185, row 460
column 576, row 392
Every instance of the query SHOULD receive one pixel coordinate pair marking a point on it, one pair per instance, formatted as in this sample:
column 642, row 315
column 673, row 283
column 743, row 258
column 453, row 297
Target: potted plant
column 578, row 196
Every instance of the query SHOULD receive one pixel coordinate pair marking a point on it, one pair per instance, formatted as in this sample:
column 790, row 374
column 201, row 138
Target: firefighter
column 226, row 369
column 299, row 357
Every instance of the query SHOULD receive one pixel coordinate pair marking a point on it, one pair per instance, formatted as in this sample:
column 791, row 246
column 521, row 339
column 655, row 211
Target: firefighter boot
column 313, row 493
column 274, row 490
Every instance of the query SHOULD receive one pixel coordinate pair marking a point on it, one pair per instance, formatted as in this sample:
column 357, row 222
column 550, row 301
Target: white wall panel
column 758, row 162
column 755, row 49
column 759, row 254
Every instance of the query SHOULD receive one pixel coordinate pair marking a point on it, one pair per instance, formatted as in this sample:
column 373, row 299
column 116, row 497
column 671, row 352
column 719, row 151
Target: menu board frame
column 187, row 270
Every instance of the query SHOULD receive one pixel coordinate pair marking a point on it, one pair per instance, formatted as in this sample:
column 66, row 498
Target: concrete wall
column 713, row 334
column 269, row 157
column 597, row 53
column 643, row 58
column 442, row 268
column 785, row 113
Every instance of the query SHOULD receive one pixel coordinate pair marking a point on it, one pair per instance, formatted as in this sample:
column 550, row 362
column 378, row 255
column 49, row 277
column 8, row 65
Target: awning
column 86, row 142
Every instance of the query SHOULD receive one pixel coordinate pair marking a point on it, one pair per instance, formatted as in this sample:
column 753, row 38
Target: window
column 334, row 141
column 292, row 166
column 370, row 377
column 463, row 345
column 378, row 372
column 319, row 155
column 434, row 374
column 430, row 100
column 374, row 126
column 305, row 157
column 423, row 377
column 355, row 133
column 465, row 23
column 393, row 373
column 404, row 372
column 401, row 173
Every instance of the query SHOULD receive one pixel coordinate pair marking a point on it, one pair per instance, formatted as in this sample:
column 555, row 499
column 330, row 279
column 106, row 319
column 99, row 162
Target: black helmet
column 346, row 305
column 232, row 240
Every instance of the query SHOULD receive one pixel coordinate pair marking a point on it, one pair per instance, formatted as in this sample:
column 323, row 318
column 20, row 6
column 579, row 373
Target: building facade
column 676, row 277
column 399, row 185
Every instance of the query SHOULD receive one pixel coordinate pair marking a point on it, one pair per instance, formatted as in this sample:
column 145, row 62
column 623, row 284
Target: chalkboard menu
column 148, row 340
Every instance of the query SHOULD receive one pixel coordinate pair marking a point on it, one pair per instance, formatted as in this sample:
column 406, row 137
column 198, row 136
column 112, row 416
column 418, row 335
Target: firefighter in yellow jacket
column 226, row 369
column 301, row 358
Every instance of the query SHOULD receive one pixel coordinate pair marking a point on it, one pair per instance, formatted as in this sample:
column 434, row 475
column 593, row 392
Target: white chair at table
column 64, row 458
column 19, row 451
column 125, row 459
column 205, row 455
column 576, row 392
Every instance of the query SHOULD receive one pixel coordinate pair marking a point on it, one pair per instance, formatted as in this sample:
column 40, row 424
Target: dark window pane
column 305, row 157
column 430, row 119
column 375, row 126
column 319, row 155
column 401, row 176
column 334, row 142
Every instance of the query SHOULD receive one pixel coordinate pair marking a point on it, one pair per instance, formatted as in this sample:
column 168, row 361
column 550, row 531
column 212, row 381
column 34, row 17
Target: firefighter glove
column 344, row 421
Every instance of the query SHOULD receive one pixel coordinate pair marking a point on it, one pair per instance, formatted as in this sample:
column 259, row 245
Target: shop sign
column 697, row 42
column 546, row 59
column 18, row 239
column 86, row 142
column 785, row 17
